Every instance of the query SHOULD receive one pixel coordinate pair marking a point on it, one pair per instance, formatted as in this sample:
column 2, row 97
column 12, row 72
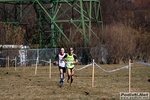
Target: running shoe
column 61, row 82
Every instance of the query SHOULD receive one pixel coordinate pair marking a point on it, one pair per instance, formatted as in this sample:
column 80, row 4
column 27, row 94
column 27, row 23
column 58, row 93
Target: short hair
column 62, row 48
column 70, row 48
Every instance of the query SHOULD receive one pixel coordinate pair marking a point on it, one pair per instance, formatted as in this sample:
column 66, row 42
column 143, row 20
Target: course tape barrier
column 34, row 60
column 79, row 68
column 2, row 58
column 127, row 67
column 45, row 61
column 84, row 67
column 102, row 68
column 112, row 70
column 24, row 61
column 6, row 59
column 143, row 63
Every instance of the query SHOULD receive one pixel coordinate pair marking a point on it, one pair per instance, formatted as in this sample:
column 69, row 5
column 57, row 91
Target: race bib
column 69, row 63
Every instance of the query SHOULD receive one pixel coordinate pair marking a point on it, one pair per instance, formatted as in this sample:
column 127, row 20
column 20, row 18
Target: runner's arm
column 64, row 58
column 75, row 59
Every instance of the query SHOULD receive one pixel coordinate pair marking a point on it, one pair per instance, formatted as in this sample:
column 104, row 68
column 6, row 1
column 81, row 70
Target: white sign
column 134, row 95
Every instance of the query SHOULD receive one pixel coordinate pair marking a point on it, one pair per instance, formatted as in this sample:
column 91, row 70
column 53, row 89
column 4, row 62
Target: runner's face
column 71, row 50
column 62, row 50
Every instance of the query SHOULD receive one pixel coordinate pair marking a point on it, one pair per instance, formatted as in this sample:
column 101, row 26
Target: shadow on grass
column 148, row 80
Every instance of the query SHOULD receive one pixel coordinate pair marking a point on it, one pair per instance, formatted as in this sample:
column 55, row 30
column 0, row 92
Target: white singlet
column 61, row 63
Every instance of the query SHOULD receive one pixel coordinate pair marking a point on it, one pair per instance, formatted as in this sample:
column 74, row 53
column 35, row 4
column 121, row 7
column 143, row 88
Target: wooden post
column 8, row 62
column 50, row 70
column 129, row 75
column 93, row 75
column 36, row 66
column 15, row 63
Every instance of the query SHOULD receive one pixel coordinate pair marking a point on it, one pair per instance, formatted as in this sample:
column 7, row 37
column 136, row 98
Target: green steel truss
column 54, row 20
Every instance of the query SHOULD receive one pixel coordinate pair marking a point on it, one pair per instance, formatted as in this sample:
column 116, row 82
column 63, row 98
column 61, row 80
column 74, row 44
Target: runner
column 70, row 59
column 61, row 65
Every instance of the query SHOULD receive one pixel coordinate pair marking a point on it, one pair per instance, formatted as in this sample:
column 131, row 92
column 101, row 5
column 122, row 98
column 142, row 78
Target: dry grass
column 22, row 84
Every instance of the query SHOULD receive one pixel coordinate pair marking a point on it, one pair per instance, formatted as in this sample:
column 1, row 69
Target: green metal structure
column 54, row 21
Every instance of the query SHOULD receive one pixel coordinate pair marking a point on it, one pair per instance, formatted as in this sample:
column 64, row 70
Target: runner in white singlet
column 61, row 65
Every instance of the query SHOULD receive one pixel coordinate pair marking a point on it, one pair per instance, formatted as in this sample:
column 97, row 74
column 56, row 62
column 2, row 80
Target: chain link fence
column 28, row 57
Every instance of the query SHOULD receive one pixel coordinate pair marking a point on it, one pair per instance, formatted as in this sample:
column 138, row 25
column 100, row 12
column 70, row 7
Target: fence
column 28, row 57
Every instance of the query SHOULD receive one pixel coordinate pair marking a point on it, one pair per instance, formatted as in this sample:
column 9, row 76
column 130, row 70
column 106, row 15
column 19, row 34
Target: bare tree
column 12, row 35
column 119, row 42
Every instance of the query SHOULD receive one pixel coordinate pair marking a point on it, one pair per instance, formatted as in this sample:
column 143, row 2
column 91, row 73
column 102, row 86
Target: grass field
column 23, row 84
